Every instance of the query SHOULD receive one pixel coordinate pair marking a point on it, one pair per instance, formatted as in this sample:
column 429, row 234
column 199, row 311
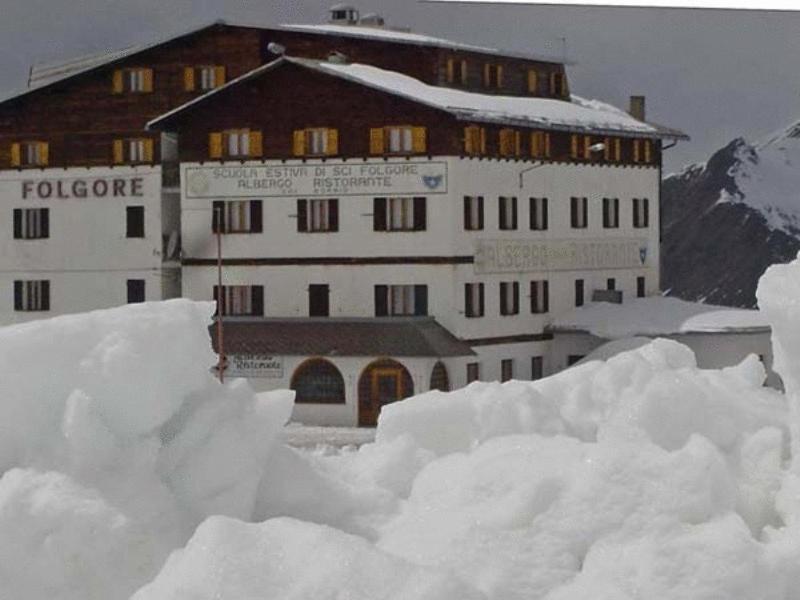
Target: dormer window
column 492, row 76
column 558, row 85
column 456, row 71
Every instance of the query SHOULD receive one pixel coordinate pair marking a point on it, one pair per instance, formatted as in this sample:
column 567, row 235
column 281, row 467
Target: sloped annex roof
column 544, row 113
column 327, row 336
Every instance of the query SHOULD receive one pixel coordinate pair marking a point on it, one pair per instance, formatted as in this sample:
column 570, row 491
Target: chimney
column 636, row 109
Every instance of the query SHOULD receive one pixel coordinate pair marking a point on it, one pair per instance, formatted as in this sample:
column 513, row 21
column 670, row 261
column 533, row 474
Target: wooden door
column 385, row 387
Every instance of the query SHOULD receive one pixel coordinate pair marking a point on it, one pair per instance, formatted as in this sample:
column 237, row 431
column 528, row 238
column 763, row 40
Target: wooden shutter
column 450, row 70
column 635, row 202
column 17, row 223
column 469, row 139
column 420, row 300
column 503, row 298
column 481, row 301
column 646, row 207
column 18, row 295
column 215, row 145
column 574, row 146
column 333, row 214
column 148, row 150
column 546, row 295
column 219, row 76
column 515, row 288
column 487, row 75
column 544, row 213
column 533, row 81
column 585, row 206
column 117, row 85
column 513, row 212
column 607, row 149
column 419, row 139
column 468, row 224
column 534, row 296
column 218, row 216
column 148, row 80
column 256, row 216
column 333, row 142
column 376, row 140
column 469, row 309
column 587, row 147
column 44, row 222
column 517, row 143
column 119, row 152
column 463, row 71
column 547, row 144
column 499, row 81
column 480, row 212
column 505, row 141
column 420, row 216
column 188, row 79
column 44, row 153
column 381, row 300
column 302, row 215
column 16, row 155
column 44, row 290
column 573, row 212
column 256, row 143
column 299, row 142
column 257, row 300
column 636, row 151
column 648, row 151
column 483, row 140
column 379, row 221
column 502, row 217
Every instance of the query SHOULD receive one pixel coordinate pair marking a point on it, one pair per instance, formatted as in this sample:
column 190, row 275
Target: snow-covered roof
column 658, row 315
column 408, row 37
column 545, row 113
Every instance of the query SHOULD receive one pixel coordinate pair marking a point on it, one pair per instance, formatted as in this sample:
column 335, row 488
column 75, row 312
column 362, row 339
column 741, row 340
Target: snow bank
column 115, row 442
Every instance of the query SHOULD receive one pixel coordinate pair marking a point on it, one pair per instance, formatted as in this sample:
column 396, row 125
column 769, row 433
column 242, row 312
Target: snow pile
column 765, row 178
column 115, row 442
column 657, row 315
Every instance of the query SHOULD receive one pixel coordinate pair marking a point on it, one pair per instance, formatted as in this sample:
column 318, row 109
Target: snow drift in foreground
column 637, row 477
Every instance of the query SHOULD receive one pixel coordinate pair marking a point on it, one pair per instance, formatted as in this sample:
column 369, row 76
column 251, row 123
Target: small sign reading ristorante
column 512, row 256
column 307, row 180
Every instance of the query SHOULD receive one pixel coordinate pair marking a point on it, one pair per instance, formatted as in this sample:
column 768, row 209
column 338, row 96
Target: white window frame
column 400, row 300
column 639, row 211
column 32, row 223
column 207, row 77
column 582, row 208
column 318, row 214
column 400, row 213
column 473, row 291
column 237, row 143
column 511, row 302
column 31, row 153
column 237, row 216
column 542, row 301
column 238, row 300
column 399, row 140
column 317, row 141
column 474, row 214
column 611, row 208
column 537, row 214
column 135, row 80
column 509, row 202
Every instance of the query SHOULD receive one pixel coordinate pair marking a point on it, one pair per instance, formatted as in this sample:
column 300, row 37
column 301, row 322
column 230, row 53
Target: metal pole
column 220, row 300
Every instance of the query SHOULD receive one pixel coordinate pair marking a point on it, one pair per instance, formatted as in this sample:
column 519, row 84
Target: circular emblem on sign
column 198, row 184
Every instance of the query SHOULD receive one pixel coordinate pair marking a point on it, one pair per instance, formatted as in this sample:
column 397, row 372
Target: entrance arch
column 318, row 381
column 382, row 382
column 439, row 379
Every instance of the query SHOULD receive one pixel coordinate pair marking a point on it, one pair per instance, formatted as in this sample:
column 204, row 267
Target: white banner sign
column 406, row 178
column 513, row 256
column 254, row 365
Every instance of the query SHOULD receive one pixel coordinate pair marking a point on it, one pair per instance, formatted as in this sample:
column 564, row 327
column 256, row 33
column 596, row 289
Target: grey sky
column 714, row 74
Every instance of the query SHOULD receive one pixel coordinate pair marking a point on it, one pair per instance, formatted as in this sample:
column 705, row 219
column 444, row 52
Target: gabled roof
column 379, row 336
column 544, row 113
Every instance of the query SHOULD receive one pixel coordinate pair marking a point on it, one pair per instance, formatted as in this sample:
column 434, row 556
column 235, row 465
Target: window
column 31, row 223
column 537, row 368
column 579, row 213
column 610, row 213
column 474, row 305
column 135, row 291
column 318, row 300
column 139, row 80
column 203, row 78
column 30, row 296
column 540, row 296
column 240, row 300
column 473, row 213
column 133, row 150
column 613, row 150
column 641, row 213
column 640, row 287
column 492, row 76
column 473, row 372
column 30, row 154
column 317, row 381
column 538, row 214
column 401, row 300
column 235, row 143
column 456, row 71
column 134, row 221
column 642, row 151
column 237, row 216
column 510, row 142
column 558, row 85
column 399, row 214
column 509, row 298
column 507, row 213
column 506, row 369
column 398, row 139
column 319, row 141
column 540, row 144
column 611, row 283
column 579, row 292
column 474, row 140
column 318, row 215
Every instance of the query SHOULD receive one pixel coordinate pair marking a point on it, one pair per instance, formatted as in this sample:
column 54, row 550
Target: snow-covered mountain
column 726, row 221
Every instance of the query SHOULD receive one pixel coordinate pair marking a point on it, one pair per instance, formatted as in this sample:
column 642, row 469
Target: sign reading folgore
column 512, row 256
column 308, row 180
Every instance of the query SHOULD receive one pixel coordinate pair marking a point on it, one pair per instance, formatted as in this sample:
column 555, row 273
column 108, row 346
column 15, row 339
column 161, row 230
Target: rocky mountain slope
column 724, row 222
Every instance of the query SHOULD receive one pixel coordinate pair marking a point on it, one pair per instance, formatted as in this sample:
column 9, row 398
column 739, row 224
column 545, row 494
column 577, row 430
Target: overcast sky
column 714, row 74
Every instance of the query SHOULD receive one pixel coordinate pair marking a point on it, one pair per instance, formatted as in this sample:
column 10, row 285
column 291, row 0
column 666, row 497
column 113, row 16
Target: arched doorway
column 382, row 382
column 318, row 381
column 439, row 379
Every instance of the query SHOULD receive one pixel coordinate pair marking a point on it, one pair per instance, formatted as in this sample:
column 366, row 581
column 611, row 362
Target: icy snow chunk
column 284, row 558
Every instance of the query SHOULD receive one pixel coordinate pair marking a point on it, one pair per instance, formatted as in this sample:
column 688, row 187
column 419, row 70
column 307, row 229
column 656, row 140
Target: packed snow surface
column 657, row 315
column 129, row 472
